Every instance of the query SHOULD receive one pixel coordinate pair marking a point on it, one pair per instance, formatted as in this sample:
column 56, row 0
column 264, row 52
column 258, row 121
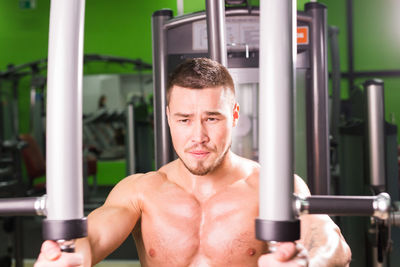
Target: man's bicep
column 300, row 187
column 111, row 224
column 108, row 227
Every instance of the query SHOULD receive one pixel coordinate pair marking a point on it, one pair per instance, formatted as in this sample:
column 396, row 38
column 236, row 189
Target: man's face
column 201, row 122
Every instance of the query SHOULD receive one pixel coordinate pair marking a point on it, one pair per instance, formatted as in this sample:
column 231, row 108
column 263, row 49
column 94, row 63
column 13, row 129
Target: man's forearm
column 331, row 251
column 83, row 247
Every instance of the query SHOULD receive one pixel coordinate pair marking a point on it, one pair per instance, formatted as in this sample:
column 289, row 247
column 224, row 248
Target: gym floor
column 106, row 263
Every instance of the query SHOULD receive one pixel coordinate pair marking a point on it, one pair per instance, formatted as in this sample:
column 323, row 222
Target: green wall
column 376, row 44
column 120, row 27
column 123, row 28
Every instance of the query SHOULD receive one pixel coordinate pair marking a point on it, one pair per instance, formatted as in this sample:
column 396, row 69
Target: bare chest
column 177, row 230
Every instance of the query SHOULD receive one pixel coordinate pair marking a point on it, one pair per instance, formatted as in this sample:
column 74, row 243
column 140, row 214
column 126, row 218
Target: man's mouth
column 199, row 153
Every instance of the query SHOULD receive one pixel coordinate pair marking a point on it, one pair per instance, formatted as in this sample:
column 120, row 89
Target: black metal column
column 317, row 101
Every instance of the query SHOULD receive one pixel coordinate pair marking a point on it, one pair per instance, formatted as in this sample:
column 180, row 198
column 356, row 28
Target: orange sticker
column 236, row 111
column 302, row 35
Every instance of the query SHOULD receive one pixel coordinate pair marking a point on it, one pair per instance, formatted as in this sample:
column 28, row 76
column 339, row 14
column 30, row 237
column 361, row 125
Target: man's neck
column 205, row 186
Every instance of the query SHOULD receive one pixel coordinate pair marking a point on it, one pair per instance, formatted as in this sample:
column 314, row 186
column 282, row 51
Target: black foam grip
column 281, row 231
column 341, row 205
column 64, row 229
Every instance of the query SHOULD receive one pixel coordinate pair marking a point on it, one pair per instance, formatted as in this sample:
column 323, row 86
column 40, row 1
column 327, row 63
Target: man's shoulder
column 247, row 165
column 139, row 183
column 143, row 179
column 134, row 188
column 247, row 169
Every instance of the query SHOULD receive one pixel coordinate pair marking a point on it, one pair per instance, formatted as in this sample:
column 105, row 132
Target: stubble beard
column 202, row 170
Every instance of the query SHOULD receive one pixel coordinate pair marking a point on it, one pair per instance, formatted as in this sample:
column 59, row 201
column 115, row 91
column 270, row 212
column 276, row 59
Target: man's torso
column 177, row 229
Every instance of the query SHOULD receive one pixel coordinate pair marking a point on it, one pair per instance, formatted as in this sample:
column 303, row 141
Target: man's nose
column 199, row 134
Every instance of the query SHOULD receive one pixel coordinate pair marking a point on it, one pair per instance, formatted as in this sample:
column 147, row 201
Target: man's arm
column 321, row 236
column 108, row 226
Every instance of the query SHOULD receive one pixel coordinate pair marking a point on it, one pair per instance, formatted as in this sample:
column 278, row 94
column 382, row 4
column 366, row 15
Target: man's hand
column 51, row 255
column 286, row 255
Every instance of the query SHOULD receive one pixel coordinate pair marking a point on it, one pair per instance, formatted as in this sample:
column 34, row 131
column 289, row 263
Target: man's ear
column 235, row 114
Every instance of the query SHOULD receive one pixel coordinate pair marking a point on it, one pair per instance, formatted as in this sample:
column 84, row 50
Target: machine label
column 240, row 32
column 302, row 35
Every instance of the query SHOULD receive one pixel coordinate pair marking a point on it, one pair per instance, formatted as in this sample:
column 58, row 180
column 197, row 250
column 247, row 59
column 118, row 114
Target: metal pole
column 31, row 110
column 65, row 219
column 216, row 32
column 26, row 206
column 336, row 78
column 18, row 242
column 350, row 43
column 1, row 116
column 15, row 108
column 376, row 133
column 163, row 148
column 277, row 220
column 130, row 138
column 318, row 122
column 179, row 5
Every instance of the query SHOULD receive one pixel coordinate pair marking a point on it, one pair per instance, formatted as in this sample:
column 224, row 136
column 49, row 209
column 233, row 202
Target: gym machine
column 63, row 203
column 298, row 74
column 139, row 136
column 175, row 39
column 277, row 223
column 14, row 74
column 10, row 165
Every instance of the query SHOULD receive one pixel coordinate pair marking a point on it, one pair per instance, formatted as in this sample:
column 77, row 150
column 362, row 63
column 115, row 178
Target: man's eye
column 212, row 119
column 184, row 121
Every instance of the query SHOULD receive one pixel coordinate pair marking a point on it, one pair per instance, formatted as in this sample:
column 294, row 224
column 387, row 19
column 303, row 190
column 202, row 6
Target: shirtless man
column 198, row 210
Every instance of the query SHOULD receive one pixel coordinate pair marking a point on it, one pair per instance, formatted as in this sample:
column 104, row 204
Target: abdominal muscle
column 177, row 230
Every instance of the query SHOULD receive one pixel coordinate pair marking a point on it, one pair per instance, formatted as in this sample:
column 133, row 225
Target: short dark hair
column 199, row 73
